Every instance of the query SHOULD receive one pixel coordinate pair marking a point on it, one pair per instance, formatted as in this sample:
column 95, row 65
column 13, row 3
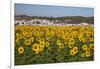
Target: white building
column 33, row 21
column 47, row 22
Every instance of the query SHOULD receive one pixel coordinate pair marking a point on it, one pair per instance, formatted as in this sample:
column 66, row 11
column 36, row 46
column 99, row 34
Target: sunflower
column 65, row 37
column 38, row 38
column 29, row 34
column 41, row 46
column 36, row 33
column 47, row 44
column 70, row 45
column 87, row 53
column 91, row 46
column 52, row 33
column 72, row 52
column 31, row 39
column 25, row 33
column 87, row 35
column 58, row 42
column 84, row 47
column 18, row 36
column 80, row 38
column 20, row 50
column 17, row 40
column 82, row 54
column 71, row 36
column 91, row 33
column 75, row 50
column 74, row 34
column 88, row 49
column 35, row 48
column 42, row 40
column 27, row 42
column 47, row 33
column 71, row 41
column 41, row 33
column 42, row 43
column 66, row 41
column 91, row 39
column 81, row 35
column 47, row 38
column 61, row 46
column 84, row 39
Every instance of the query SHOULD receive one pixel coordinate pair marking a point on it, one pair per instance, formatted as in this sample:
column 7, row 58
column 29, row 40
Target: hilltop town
column 58, row 21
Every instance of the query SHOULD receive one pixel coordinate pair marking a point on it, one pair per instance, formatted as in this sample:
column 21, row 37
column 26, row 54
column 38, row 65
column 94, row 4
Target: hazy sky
column 55, row 11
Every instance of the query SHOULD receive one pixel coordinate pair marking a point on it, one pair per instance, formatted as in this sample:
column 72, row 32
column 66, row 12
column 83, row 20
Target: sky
column 52, row 11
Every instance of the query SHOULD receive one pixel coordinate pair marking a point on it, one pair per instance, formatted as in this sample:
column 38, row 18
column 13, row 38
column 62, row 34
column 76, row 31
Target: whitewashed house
column 20, row 22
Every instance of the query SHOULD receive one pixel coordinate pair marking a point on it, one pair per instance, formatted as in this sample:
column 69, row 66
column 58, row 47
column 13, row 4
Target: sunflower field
column 53, row 44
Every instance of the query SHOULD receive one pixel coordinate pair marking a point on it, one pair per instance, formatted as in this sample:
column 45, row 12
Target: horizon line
column 51, row 16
